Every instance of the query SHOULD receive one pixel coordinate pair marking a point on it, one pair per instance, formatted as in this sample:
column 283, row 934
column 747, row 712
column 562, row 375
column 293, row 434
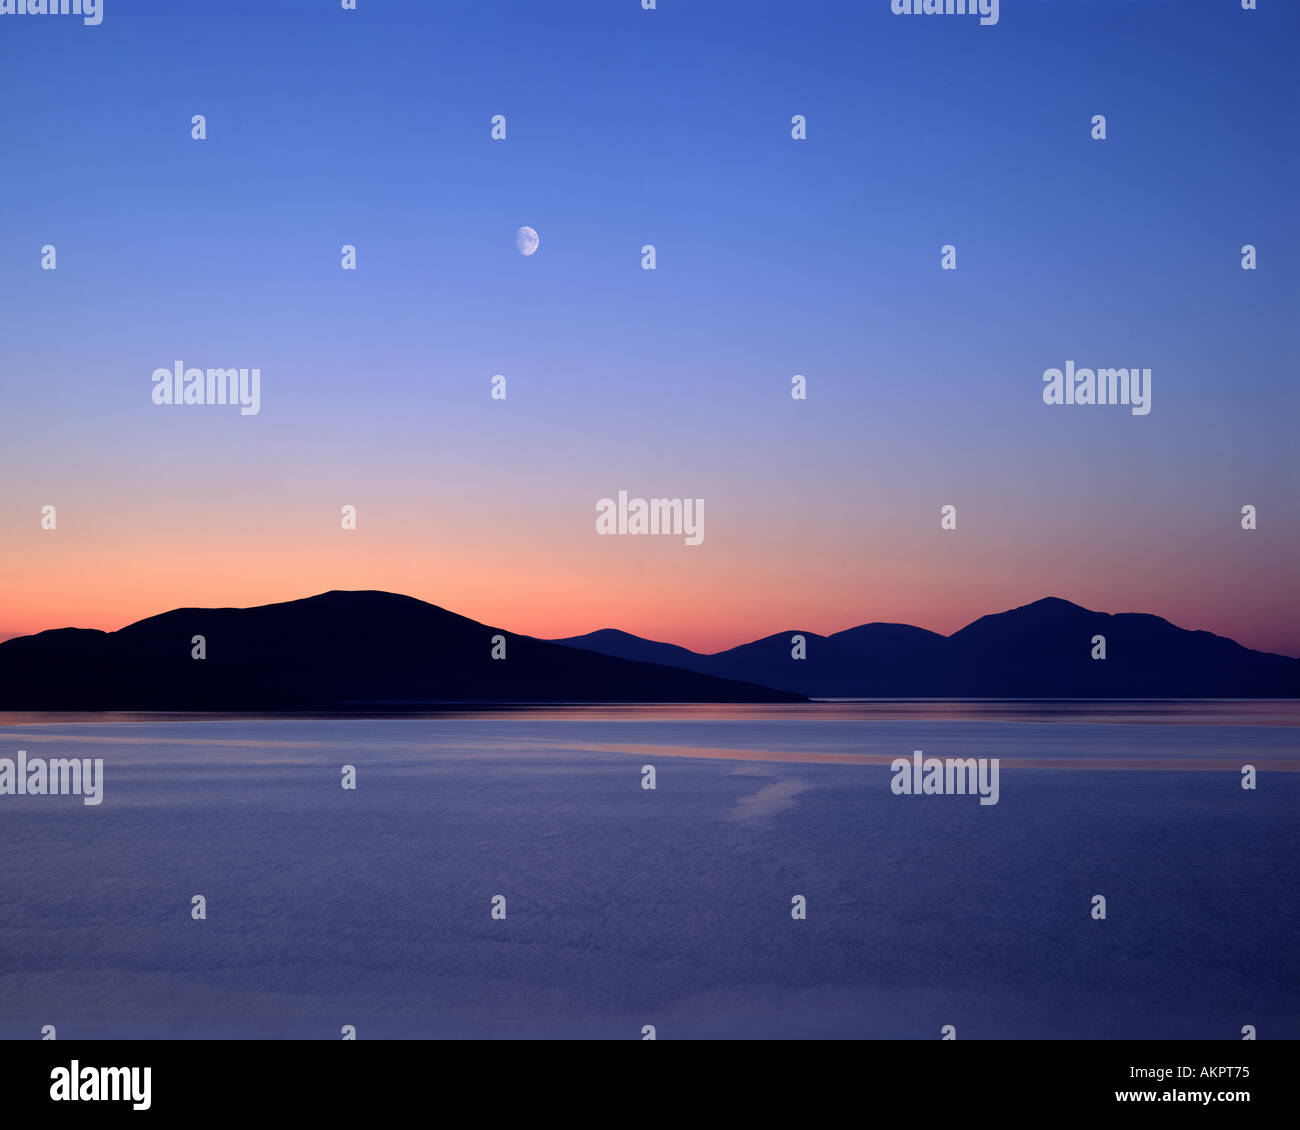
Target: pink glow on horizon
column 547, row 574
column 740, row 616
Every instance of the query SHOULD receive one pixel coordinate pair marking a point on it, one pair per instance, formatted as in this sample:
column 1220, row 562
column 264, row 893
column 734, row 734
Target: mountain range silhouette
column 1040, row 650
column 372, row 650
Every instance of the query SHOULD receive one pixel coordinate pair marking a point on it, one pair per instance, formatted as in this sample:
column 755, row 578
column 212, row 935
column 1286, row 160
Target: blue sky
column 775, row 257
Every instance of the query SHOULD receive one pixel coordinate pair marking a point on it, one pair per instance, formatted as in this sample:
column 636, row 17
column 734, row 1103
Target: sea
column 511, row 873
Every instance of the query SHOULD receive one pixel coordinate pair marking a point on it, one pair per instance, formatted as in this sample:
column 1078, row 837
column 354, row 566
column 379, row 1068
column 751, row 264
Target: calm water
column 670, row 907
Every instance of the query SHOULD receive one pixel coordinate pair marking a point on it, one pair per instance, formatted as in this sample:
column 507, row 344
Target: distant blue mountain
column 624, row 645
column 1041, row 650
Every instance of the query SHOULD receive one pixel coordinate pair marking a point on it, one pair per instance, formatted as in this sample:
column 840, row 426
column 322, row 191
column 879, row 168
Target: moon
column 526, row 240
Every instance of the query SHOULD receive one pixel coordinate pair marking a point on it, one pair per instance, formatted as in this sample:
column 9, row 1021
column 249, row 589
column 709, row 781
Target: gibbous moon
column 526, row 240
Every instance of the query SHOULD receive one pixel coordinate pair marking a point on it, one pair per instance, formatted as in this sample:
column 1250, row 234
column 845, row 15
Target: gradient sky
column 775, row 257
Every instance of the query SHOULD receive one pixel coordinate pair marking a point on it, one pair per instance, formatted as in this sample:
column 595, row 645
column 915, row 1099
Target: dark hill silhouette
column 1046, row 647
column 889, row 657
column 1041, row 650
column 339, row 650
column 624, row 645
column 828, row 667
column 902, row 640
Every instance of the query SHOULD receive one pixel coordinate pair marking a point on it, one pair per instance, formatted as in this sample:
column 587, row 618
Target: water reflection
column 1164, row 712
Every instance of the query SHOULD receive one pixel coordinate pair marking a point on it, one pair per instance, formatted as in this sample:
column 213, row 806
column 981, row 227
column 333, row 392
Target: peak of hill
column 338, row 650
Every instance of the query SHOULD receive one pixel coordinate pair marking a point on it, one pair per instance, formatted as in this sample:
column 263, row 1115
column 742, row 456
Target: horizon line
column 5, row 638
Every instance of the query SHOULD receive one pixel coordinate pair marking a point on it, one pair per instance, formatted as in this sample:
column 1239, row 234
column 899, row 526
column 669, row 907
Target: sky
column 774, row 257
